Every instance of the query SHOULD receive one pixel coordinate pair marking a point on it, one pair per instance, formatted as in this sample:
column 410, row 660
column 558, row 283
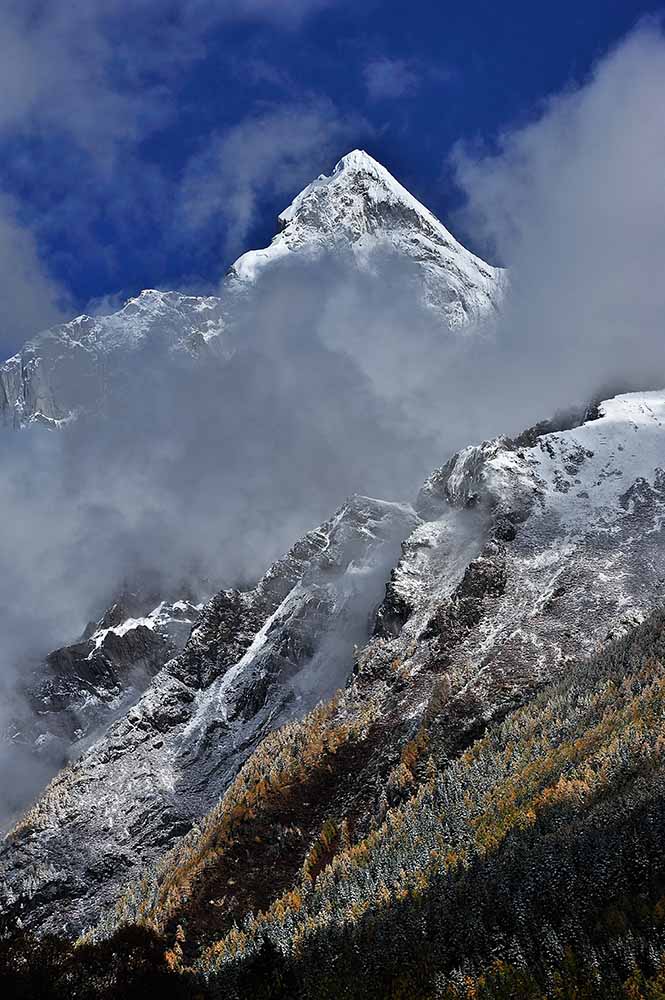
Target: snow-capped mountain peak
column 361, row 207
column 358, row 175
column 358, row 210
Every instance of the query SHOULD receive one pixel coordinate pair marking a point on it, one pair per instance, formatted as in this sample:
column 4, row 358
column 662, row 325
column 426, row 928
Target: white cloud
column 60, row 73
column 31, row 298
column 104, row 305
column 100, row 71
column 389, row 78
column 575, row 203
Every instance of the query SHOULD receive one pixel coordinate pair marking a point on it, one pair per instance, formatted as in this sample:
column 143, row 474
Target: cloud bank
column 574, row 203
column 389, row 78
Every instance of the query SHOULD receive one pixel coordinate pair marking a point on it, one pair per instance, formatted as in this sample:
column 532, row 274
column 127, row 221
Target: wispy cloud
column 285, row 12
column 273, row 152
column 386, row 78
column 100, row 70
column 31, row 298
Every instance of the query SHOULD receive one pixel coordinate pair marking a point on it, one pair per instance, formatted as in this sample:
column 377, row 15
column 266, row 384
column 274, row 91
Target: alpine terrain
column 421, row 756
column 360, row 208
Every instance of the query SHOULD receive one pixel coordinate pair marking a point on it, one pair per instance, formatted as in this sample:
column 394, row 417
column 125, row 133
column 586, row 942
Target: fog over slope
column 344, row 380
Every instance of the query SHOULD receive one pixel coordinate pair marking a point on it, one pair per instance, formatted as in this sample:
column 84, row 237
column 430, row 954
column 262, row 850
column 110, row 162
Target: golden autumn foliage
column 433, row 844
column 282, row 761
column 532, row 775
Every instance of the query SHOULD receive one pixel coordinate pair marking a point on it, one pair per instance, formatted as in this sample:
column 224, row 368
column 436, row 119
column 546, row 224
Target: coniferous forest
column 528, row 865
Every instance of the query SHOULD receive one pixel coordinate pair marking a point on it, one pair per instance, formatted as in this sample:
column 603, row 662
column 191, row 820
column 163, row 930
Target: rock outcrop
column 254, row 659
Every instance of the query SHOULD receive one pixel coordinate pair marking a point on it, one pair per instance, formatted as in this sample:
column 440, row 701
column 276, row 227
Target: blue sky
column 146, row 143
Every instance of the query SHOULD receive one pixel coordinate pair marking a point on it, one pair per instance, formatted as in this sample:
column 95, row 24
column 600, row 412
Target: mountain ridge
column 427, row 724
column 519, row 560
column 359, row 209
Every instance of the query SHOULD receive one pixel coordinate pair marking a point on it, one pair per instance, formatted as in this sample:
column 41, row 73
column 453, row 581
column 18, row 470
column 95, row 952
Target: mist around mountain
column 197, row 438
column 333, row 640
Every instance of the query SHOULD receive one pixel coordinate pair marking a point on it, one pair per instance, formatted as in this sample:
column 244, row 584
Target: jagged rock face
column 254, row 659
column 69, row 699
column 110, row 666
column 522, row 555
column 78, row 366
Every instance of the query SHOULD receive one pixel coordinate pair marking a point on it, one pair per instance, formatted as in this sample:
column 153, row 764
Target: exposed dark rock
column 392, row 614
column 483, row 578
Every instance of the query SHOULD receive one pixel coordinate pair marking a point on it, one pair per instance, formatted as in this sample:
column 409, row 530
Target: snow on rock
column 253, row 660
column 361, row 206
column 171, row 620
column 71, row 368
column 529, row 557
column 81, row 688
column 522, row 556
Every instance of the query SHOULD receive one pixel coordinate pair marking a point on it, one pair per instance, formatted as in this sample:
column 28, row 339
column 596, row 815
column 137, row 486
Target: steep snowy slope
column 530, row 556
column 525, row 554
column 360, row 209
column 254, row 659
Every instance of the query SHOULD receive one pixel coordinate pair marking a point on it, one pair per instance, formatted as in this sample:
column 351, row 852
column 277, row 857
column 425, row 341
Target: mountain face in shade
column 67, row 700
column 359, row 210
column 70, row 369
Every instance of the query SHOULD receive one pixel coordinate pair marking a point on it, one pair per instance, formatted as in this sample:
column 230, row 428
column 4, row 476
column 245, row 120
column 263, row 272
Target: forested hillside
column 529, row 865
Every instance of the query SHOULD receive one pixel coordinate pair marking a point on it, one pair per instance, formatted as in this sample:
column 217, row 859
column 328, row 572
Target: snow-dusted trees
column 520, row 846
column 351, row 860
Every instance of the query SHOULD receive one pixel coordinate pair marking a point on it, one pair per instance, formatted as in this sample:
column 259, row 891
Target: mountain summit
column 361, row 206
column 359, row 209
